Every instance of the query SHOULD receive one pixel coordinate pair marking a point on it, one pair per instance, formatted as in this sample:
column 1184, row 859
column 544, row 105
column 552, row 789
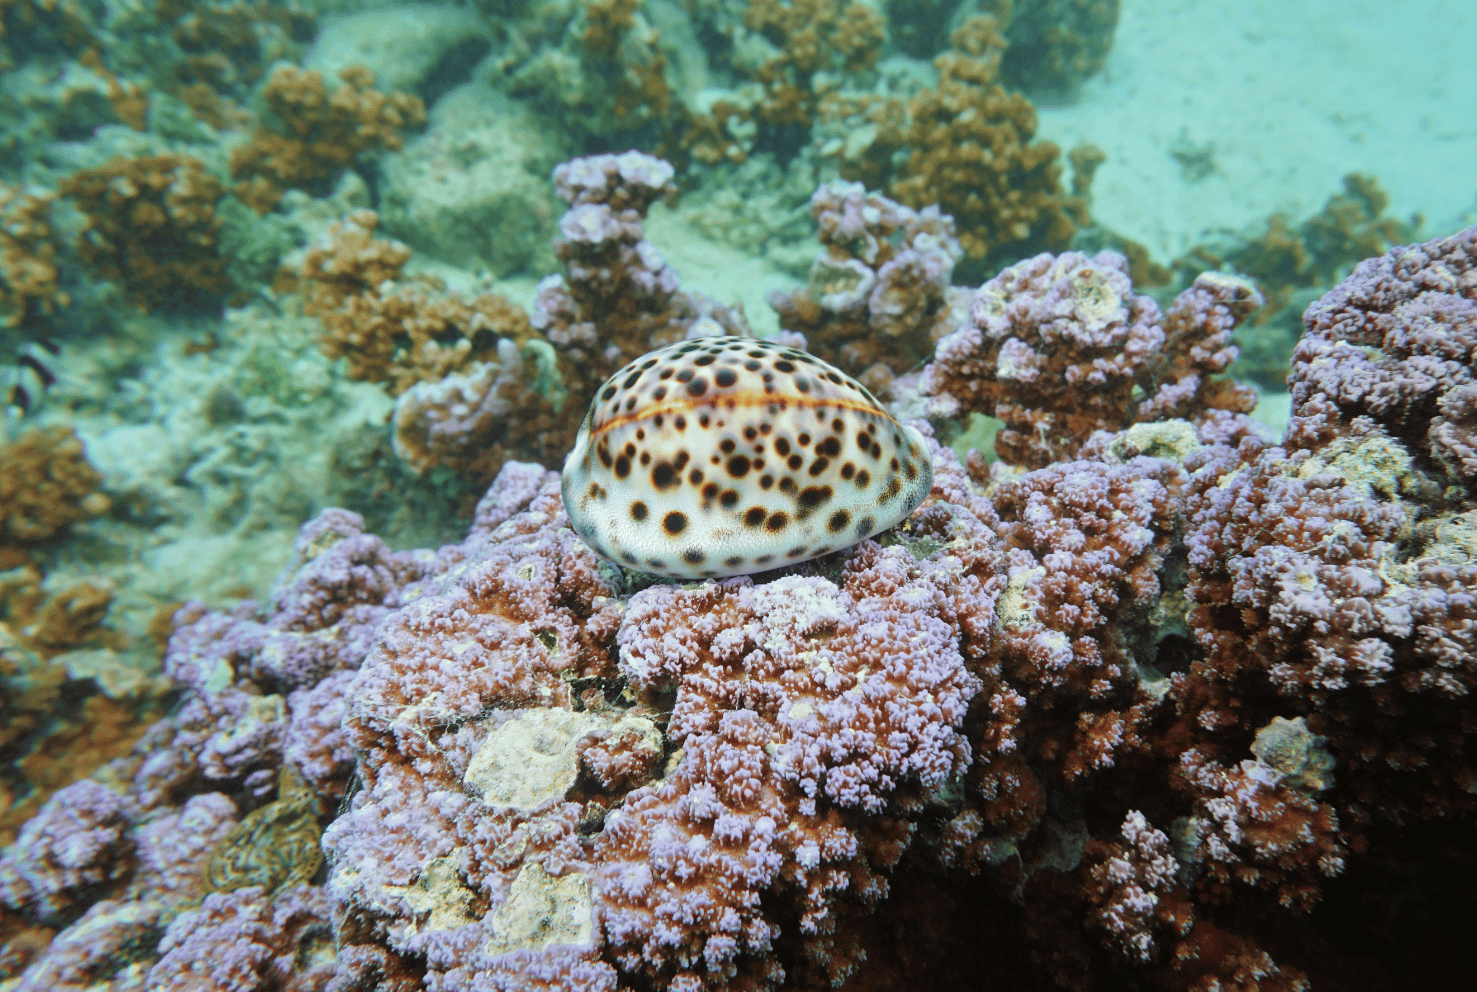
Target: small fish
column 728, row 455
column 30, row 375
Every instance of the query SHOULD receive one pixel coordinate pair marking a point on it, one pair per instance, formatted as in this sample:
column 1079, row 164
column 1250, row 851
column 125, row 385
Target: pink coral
column 878, row 297
column 242, row 941
column 618, row 298
column 74, row 847
column 1060, row 346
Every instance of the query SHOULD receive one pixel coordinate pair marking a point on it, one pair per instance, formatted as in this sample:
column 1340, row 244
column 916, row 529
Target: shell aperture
column 726, row 455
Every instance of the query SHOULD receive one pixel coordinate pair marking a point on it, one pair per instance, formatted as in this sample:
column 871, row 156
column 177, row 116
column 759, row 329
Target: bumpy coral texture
column 969, row 149
column 618, row 299
column 878, row 298
column 1060, row 346
column 46, row 485
column 29, row 245
column 318, row 133
column 152, row 225
column 1339, row 567
column 474, row 385
column 1184, row 710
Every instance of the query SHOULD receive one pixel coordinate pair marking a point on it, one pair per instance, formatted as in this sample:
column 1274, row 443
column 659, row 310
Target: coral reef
column 878, row 297
column 392, row 334
column 317, row 134
column 1057, row 44
column 811, row 41
column 617, row 299
column 152, row 225
column 45, row 485
column 1059, row 346
column 1295, row 264
column 29, row 280
column 474, row 190
column 461, row 368
column 965, row 145
column 1152, row 702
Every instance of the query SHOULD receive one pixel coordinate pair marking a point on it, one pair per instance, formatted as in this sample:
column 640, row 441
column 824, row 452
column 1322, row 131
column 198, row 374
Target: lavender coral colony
column 770, row 688
column 1134, row 702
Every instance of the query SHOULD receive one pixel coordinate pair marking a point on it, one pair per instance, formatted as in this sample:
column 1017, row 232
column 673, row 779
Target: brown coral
column 152, row 225
column 28, row 249
column 966, row 146
column 321, row 134
column 971, row 153
column 397, row 335
column 46, row 484
column 635, row 66
column 1058, row 44
column 815, row 38
column 475, row 384
column 1292, row 263
column 227, row 44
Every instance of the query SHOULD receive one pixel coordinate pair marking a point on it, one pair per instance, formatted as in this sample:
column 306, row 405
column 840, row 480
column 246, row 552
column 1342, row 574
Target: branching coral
column 321, row 134
column 227, row 44
column 878, row 298
column 396, row 334
column 1332, row 571
column 813, row 41
column 1058, row 347
column 618, row 299
column 475, row 386
column 1136, row 717
column 46, row 484
column 626, row 49
column 152, row 225
column 968, row 149
column 1294, row 263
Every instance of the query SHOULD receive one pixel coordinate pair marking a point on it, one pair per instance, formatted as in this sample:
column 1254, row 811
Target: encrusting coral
column 321, row 132
column 1156, row 705
column 152, row 225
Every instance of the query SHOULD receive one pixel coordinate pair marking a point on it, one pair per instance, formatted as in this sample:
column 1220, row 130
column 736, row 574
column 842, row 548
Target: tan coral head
column 727, row 455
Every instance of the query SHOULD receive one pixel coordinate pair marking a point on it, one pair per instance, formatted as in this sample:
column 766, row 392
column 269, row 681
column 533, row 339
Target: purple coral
column 74, row 847
column 1060, row 346
column 1393, row 344
column 878, row 296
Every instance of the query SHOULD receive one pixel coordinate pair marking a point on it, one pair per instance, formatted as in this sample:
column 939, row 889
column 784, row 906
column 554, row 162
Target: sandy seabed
column 1292, row 94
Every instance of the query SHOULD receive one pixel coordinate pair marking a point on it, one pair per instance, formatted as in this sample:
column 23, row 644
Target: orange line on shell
column 739, row 400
